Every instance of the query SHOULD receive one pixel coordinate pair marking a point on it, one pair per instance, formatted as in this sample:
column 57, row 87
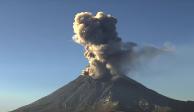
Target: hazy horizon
column 38, row 56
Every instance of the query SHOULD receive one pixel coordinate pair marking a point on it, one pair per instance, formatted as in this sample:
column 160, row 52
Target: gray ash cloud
column 106, row 52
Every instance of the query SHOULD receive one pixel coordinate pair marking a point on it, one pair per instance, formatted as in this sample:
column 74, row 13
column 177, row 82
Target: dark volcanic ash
column 105, row 51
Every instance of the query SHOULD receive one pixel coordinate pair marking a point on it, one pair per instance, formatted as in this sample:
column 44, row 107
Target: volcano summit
column 103, row 85
column 120, row 94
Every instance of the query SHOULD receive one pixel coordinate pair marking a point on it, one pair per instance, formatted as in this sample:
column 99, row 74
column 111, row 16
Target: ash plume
column 104, row 49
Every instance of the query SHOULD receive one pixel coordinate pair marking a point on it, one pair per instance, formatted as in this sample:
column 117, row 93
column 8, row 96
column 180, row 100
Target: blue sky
column 37, row 54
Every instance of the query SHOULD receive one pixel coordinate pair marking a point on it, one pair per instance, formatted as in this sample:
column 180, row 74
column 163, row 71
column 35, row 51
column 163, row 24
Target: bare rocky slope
column 118, row 94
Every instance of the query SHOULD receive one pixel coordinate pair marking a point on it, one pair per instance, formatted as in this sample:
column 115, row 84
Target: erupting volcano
column 105, row 51
column 103, row 85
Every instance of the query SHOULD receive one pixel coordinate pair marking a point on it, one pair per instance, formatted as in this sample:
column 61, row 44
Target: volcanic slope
column 116, row 94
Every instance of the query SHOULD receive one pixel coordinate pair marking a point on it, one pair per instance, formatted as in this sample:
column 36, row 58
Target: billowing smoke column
column 105, row 51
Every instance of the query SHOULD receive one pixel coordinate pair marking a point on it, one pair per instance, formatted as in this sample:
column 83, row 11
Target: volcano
column 115, row 94
column 101, row 87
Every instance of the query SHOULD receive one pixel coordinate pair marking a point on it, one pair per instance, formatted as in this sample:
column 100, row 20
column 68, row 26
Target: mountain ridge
column 115, row 94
